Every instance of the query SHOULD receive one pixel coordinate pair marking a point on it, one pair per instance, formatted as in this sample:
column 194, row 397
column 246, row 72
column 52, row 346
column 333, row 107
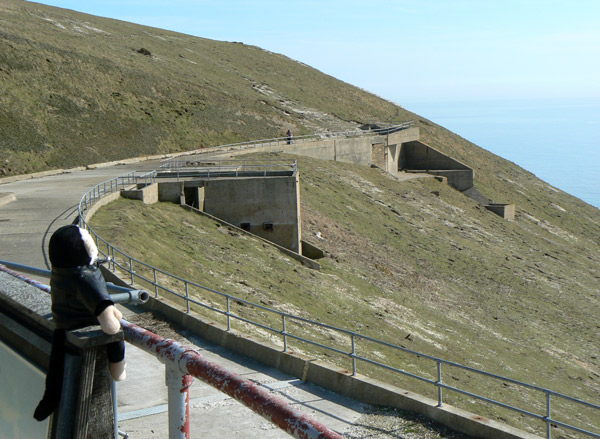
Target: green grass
column 75, row 90
column 519, row 299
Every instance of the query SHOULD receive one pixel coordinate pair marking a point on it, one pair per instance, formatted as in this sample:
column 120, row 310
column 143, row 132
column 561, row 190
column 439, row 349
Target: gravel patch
column 391, row 423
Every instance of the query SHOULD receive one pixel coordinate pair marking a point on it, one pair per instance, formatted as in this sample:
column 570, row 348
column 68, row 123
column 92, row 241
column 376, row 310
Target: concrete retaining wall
column 170, row 191
column 506, row 211
column 420, row 156
column 267, row 207
column 354, row 150
column 417, row 156
column 147, row 194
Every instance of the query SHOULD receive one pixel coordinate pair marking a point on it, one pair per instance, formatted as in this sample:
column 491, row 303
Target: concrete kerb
column 22, row 177
column 360, row 388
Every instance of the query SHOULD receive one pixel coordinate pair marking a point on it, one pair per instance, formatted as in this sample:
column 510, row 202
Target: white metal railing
column 140, row 271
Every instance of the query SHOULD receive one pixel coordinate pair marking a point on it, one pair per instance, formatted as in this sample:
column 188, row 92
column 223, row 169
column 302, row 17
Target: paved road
column 46, row 203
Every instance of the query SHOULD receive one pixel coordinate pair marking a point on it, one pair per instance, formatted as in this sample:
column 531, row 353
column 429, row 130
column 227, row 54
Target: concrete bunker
column 263, row 202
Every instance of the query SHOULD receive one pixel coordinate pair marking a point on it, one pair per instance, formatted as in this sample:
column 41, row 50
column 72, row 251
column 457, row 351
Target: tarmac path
column 42, row 205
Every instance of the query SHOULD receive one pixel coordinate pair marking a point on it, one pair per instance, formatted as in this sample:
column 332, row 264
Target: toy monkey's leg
column 116, row 359
column 54, row 378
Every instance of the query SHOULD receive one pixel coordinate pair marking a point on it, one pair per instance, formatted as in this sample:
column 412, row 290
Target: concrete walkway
column 26, row 223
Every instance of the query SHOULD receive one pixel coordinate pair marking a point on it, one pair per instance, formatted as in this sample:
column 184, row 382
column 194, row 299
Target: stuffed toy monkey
column 79, row 299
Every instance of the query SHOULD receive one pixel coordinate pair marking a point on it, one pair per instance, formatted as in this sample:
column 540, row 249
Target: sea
column 558, row 140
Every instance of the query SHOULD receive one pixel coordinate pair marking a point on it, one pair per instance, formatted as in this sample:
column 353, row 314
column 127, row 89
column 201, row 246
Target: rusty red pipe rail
column 274, row 409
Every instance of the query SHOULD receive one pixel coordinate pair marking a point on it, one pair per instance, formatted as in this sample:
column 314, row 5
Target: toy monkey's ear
column 89, row 244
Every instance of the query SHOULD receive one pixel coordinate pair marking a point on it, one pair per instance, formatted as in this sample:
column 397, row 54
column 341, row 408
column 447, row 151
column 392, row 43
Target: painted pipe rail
column 140, row 271
column 118, row 294
column 182, row 363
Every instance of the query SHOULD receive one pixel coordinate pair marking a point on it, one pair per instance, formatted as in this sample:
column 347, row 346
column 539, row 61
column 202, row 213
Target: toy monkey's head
column 72, row 246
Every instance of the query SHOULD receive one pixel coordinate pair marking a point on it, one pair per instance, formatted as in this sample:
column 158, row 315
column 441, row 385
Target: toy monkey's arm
column 94, row 294
column 110, row 319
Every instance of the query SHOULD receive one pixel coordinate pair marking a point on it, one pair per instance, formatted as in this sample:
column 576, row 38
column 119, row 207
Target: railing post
column 439, row 383
column 187, row 297
column 155, row 283
column 178, row 385
column 353, row 355
column 548, row 417
column 131, row 269
column 284, row 333
column 228, row 315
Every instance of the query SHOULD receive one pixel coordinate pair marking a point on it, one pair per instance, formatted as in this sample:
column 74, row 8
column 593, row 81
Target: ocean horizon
column 558, row 140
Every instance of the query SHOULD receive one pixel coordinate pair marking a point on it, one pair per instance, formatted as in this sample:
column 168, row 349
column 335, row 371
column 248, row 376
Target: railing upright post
column 228, row 314
column 548, row 417
column 178, row 385
column 131, row 269
column 439, row 383
column 187, row 297
column 284, row 332
column 353, row 355
column 155, row 283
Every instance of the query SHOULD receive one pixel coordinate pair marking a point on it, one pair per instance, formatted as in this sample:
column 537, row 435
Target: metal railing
column 202, row 166
column 182, row 364
column 281, row 141
column 139, row 271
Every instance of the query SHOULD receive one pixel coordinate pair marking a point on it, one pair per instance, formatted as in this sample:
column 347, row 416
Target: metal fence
column 201, row 166
column 159, row 280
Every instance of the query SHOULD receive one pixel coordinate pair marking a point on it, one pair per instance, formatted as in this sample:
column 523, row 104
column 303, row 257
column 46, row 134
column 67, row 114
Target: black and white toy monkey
column 79, row 299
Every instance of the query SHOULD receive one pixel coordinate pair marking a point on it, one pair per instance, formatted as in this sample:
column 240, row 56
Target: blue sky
column 403, row 50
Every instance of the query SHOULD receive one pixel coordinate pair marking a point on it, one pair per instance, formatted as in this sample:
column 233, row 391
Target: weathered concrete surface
column 267, row 207
column 146, row 194
column 420, row 157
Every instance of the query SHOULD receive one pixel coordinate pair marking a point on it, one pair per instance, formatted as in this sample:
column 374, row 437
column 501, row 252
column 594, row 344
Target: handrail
column 182, row 363
column 130, row 264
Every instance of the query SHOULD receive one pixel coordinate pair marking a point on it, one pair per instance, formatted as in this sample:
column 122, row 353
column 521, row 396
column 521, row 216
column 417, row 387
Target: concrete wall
column 392, row 155
column 147, row 194
column 353, row 150
column 403, row 136
column 379, row 156
column 420, row 157
column 506, row 211
column 170, row 191
column 268, row 207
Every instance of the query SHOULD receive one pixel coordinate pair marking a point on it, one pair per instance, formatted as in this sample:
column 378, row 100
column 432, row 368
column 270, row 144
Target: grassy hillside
column 78, row 89
column 514, row 298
